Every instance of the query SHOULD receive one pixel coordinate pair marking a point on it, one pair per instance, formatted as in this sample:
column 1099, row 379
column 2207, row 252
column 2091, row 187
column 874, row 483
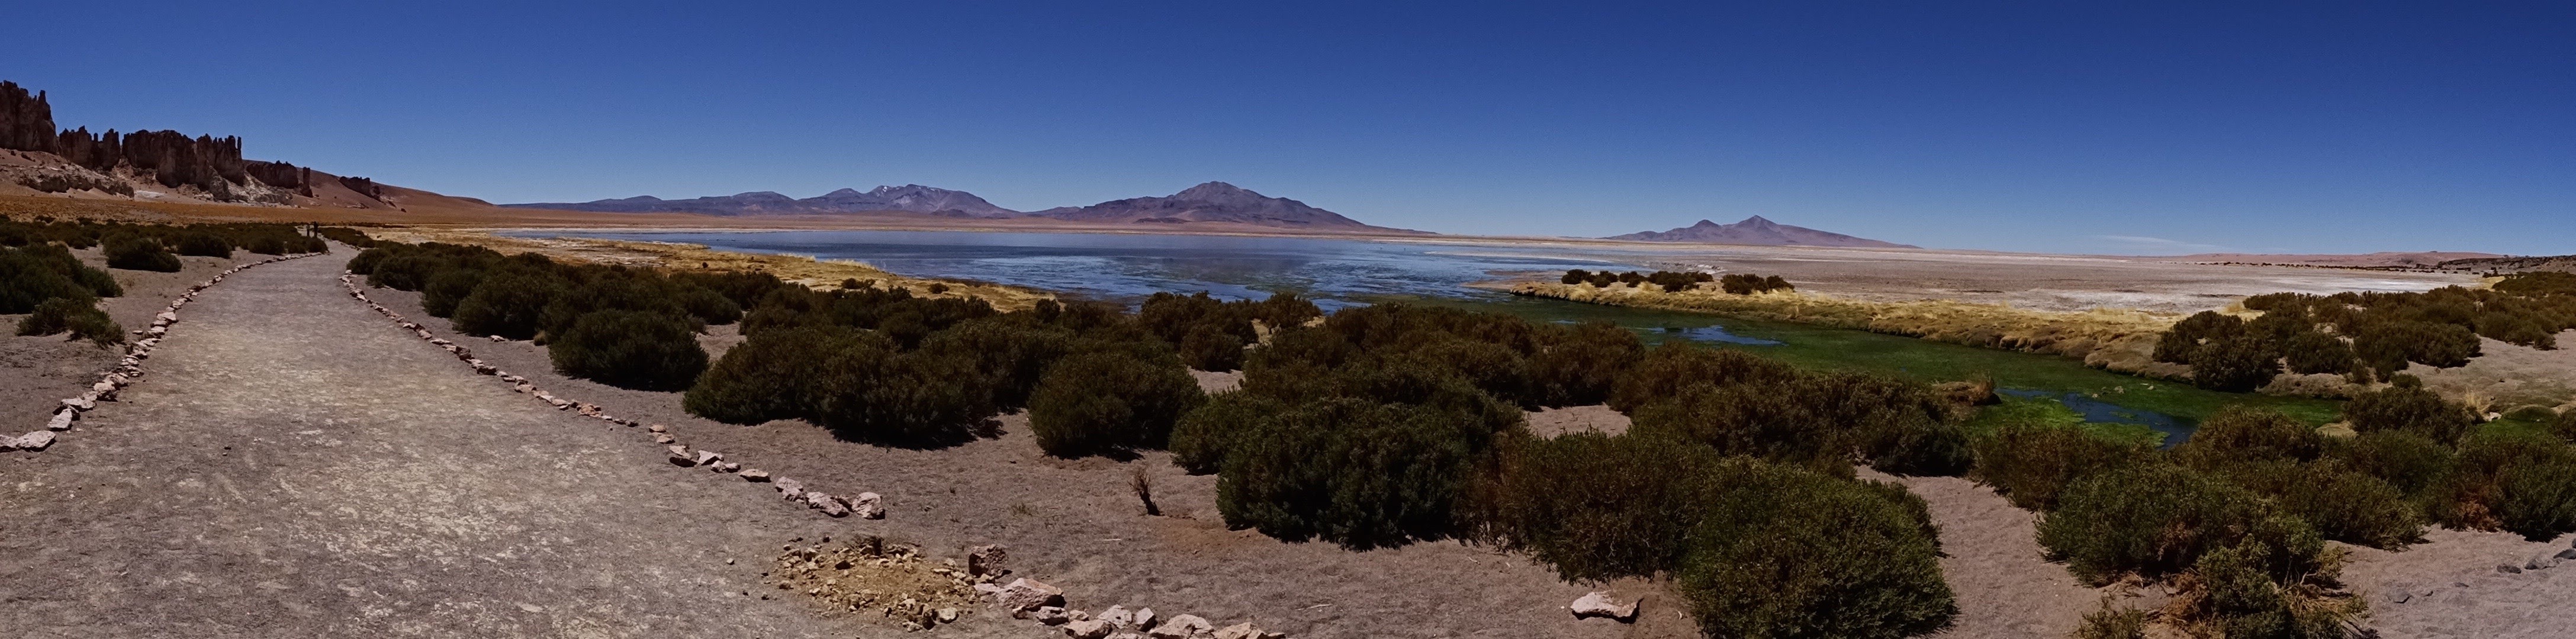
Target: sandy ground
column 295, row 467
column 1077, row 525
column 37, row 372
column 2450, row 587
column 2504, row 376
column 1551, row 422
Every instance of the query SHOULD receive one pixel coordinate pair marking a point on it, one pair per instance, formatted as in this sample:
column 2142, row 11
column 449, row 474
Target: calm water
column 1129, row 267
column 1335, row 273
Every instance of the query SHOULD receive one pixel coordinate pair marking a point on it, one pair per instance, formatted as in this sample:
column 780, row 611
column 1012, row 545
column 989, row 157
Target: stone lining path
column 297, row 467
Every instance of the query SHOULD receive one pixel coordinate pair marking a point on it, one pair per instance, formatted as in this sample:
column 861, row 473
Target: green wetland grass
column 1835, row 348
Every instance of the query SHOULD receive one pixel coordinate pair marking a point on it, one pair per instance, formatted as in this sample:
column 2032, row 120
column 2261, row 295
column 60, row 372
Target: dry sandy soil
column 37, row 372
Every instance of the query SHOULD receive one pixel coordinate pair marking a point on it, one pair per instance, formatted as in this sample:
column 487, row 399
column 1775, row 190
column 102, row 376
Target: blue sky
column 2098, row 127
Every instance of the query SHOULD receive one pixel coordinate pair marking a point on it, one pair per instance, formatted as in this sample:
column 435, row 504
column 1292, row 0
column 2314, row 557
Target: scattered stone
column 2508, row 569
column 1050, row 615
column 755, row 475
column 1092, row 629
column 62, row 420
column 36, row 440
column 869, row 506
column 663, row 439
column 828, row 504
column 792, row 489
column 1599, row 604
column 77, row 403
column 708, row 457
column 987, row 560
column 1144, row 619
column 680, row 456
column 1239, row 631
column 726, row 467
column 1027, row 594
column 498, row 338
column 1181, row 627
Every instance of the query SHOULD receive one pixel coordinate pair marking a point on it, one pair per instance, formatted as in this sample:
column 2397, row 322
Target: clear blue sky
column 2145, row 127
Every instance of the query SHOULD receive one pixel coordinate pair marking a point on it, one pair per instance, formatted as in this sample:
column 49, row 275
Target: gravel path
column 296, row 467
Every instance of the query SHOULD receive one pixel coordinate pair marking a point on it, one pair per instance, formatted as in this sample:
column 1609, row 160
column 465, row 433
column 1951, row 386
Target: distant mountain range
column 910, row 197
column 1209, row 202
column 1756, row 231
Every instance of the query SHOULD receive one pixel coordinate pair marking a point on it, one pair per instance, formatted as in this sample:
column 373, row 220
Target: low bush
column 31, row 275
column 1580, row 503
column 79, row 316
column 1010, row 353
column 869, row 391
column 202, row 244
column 1351, row 470
column 1784, row 552
column 2564, row 426
column 2521, row 482
column 2409, row 462
column 440, row 295
column 2156, row 520
column 1202, row 437
column 506, row 304
column 140, row 254
column 2350, row 506
column 1665, row 371
column 631, row 349
column 2405, row 405
column 2033, row 463
column 1575, row 366
column 2242, row 591
column 768, row 377
column 1109, row 402
column 2238, row 434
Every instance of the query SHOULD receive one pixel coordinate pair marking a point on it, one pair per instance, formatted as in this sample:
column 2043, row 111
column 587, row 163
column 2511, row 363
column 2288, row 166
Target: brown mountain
column 910, row 197
column 1756, row 231
column 1213, row 202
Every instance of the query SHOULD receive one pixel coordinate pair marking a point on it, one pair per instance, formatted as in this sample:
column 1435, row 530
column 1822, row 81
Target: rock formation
column 168, row 158
column 913, row 198
column 1211, row 202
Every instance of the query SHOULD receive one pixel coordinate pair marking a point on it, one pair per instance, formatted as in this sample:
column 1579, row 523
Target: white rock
column 708, row 457
column 1599, row 604
column 80, row 404
column 1027, row 594
column 1238, row 631
column 868, row 506
column 754, row 475
column 1144, row 619
column 1181, row 627
column 659, row 438
column 1093, row 629
column 726, row 467
column 1050, row 615
column 828, row 504
column 791, row 489
column 680, row 456
column 62, row 420
column 36, row 440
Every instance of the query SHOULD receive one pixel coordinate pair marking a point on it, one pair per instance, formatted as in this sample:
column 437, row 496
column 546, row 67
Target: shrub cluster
column 2369, row 335
column 59, row 293
column 630, row 328
column 1742, row 405
column 1670, row 281
column 1209, row 334
column 211, row 240
column 1759, row 549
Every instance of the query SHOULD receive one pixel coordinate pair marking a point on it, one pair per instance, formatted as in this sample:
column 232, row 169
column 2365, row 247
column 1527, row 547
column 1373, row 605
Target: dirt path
column 294, row 466
column 1991, row 557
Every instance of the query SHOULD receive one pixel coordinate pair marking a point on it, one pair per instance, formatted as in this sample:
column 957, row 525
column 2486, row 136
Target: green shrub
column 1009, row 353
column 1678, row 364
column 2235, row 364
column 1354, row 471
column 768, row 376
column 140, row 254
column 1762, row 421
column 1790, row 553
column 1201, row 438
column 1581, row 503
column 2239, row 434
column 2312, row 352
column 1575, row 366
column 2519, row 481
column 2156, row 520
column 507, row 304
column 2564, row 426
column 203, row 245
column 2033, row 463
column 2244, row 594
column 79, row 316
column 440, row 295
column 33, row 275
column 870, row 392
column 630, row 349
column 2405, row 405
column 2409, row 462
column 2346, row 505
column 1109, row 402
